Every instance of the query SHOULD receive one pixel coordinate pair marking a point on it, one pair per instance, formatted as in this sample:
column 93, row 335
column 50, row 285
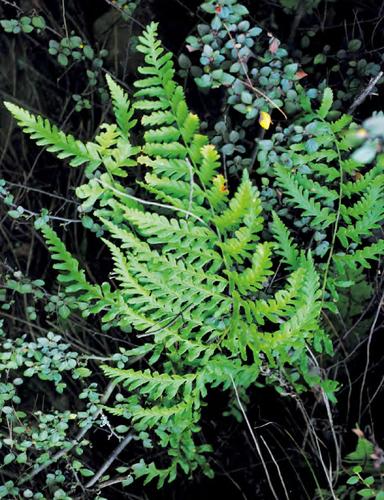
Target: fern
column 47, row 134
column 326, row 105
column 121, row 107
column 303, row 199
column 191, row 269
column 287, row 249
column 337, row 198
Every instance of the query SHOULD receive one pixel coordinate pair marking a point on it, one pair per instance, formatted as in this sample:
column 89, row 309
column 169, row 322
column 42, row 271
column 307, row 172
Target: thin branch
column 365, row 93
column 249, row 83
column 12, row 4
column 254, row 439
column 75, row 442
column 371, row 332
column 64, row 18
column 277, row 467
column 112, row 457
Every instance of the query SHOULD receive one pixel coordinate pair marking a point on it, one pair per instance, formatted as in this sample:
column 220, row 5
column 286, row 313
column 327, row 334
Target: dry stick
column 12, row 4
column 365, row 93
column 276, row 465
column 41, row 191
column 381, row 303
column 112, row 457
column 64, row 18
column 329, row 414
column 75, row 442
column 254, row 440
column 315, row 443
column 376, row 392
column 296, row 22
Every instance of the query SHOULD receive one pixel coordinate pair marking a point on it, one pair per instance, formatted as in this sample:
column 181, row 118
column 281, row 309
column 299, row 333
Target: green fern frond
column 153, row 384
column 70, row 275
column 286, row 248
column 302, row 325
column 326, row 103
column 191, row 271
column 63, row 145
column 179, row 194
column 210, row 164
column 369, row 202
column 121, row 107
column 178, row 236
column 325, row 193
column 128, row 283
column 254, row 278
column 341, row 124
column 244, row 207
column 361, row 183
column 282, row 305
column 361, row 256
column 301, row 198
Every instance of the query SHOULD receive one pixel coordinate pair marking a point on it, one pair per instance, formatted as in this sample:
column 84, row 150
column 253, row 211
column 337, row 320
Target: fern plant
column 193, row 279
column 328, row 194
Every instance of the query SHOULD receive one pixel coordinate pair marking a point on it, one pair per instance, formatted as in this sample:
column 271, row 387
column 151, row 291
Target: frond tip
column 63, row 145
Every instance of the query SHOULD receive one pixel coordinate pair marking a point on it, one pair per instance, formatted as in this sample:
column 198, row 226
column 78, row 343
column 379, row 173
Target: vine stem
column 249, row 83
column 75, row 441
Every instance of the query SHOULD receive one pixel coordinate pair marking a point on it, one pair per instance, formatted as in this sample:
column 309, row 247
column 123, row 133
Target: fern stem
column 191, row 182
column 152, row 203
column 338, row 213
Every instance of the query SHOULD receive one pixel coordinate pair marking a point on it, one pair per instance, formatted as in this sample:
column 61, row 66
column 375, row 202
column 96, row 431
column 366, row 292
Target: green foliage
column 25, row 24
column 71, row 50
column 126, row 8
column 256, row 72
column 364, row 469
column 191, row 279
column 349, row 60
column 34, row 437
column 370, row 140
column 46, row 134
column 337, row 199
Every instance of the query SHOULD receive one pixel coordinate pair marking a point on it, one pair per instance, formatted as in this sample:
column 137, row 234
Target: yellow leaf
column 265, row 119
column 361, row 133
column 220, row 182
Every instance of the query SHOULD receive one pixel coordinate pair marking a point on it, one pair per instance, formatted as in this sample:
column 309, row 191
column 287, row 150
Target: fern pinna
column 337, row 199
column 193, row 279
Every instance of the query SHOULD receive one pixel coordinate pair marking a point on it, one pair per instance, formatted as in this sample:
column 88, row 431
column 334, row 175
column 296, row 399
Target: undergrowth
column 230, row 265
column 193, row 278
